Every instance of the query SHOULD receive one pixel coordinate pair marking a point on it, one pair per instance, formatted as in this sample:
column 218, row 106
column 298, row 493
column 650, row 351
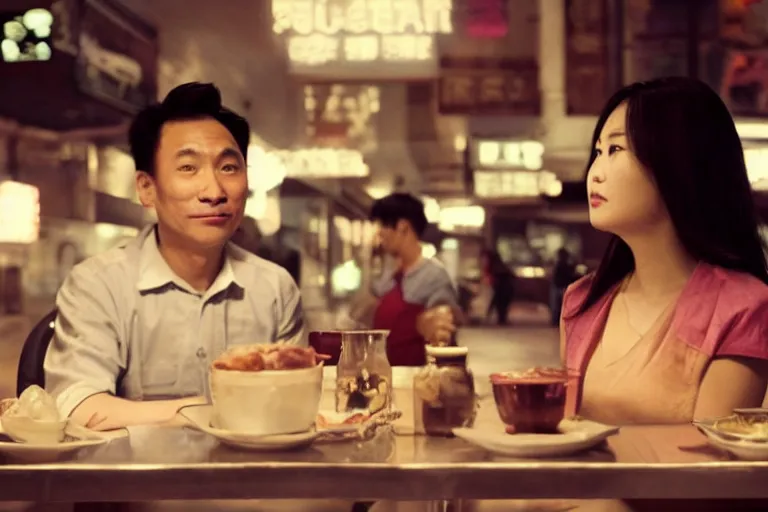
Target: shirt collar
column 154, row 272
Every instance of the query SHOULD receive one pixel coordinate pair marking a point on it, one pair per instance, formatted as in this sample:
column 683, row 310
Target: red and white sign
column 486, row 18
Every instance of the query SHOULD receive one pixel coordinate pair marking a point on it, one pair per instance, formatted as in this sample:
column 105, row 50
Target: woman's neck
column 662, row 265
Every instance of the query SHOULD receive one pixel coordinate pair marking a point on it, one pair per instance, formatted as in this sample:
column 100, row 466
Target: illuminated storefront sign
column 500, row 154
column 342, row 116
column 321, row 32
column 509, row 184
column 323, row 163
column 511, row 168
column 489, row 86
column 457, row 217
column 19, row 213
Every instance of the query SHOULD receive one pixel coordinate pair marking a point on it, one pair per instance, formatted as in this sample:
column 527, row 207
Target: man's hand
column 437, row 325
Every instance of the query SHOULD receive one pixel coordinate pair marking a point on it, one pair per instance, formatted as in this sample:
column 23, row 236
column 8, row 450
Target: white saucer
column 744, row 449
column 575, row 436
column 199, row 417
column 77, row 439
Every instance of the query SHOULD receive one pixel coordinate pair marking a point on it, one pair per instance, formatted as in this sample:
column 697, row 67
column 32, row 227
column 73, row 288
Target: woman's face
column 623, row 197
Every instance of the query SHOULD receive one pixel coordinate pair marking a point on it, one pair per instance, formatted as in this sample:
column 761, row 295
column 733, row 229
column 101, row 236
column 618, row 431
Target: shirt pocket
column 159, row 377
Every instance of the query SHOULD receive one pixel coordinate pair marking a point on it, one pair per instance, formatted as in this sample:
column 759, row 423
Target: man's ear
column 145, row 187
column 402, row 226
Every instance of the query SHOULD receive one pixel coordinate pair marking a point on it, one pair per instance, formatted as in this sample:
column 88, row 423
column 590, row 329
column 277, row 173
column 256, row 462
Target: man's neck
column 198, row 268
column 409, row 257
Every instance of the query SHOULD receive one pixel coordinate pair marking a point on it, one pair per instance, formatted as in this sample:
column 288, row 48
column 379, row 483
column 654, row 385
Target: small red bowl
column 532, row 401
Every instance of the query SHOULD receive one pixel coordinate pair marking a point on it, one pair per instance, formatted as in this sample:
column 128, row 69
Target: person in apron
column 417, row 301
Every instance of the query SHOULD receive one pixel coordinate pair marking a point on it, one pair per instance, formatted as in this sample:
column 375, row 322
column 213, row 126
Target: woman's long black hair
column 681, row 131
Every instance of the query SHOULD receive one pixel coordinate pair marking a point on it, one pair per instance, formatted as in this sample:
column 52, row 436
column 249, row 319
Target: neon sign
column 325, row 31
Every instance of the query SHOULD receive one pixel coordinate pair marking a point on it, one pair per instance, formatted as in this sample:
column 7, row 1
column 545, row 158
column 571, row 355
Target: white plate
column 575, row 436
column 742, row 449
column 77, row 438
column 199, row 417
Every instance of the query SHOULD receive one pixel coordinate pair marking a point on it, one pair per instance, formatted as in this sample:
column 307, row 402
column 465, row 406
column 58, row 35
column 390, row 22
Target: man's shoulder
column 431, row 271
column 113, row 264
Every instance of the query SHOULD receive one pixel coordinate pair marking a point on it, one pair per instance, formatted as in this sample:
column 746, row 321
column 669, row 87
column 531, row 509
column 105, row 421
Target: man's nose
column 211, row 190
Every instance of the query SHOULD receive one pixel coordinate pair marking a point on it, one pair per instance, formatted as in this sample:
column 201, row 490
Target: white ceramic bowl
column 26, row 430
column 267, row 402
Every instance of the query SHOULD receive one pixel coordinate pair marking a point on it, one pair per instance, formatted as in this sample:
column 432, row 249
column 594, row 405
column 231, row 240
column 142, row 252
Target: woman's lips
column 596, row 200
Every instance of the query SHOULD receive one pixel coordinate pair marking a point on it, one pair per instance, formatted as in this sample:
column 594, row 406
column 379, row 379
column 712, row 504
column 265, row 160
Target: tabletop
column 176, row 462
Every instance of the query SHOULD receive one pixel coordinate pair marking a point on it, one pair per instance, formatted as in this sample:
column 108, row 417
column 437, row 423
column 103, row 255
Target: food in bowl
column 531, row 401
column 266, row 389
column 274, row 356
column 747, row 427
column 32, row 418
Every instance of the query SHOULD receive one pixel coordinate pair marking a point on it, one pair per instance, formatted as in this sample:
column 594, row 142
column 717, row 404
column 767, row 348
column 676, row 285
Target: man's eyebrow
column 187, row 152
column 231, row 152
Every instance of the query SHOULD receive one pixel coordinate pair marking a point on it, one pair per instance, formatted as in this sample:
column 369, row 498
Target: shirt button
column 201, row 353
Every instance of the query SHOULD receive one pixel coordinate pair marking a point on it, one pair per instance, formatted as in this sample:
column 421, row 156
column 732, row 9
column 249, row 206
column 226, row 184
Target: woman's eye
column 596, row 152
column 613, row 148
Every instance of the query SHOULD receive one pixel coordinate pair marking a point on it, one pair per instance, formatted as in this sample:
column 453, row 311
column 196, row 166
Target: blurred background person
column 563, row 274
column 501, row 281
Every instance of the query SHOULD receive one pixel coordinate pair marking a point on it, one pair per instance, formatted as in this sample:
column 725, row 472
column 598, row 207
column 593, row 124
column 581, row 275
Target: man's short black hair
column 400, row 206
column 186, row 102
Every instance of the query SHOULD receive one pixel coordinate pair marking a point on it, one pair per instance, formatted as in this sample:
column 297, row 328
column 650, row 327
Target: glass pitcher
column 363, row 375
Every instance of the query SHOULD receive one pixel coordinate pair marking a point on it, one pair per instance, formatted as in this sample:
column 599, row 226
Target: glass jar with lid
column 444, row 392
column 363, row 375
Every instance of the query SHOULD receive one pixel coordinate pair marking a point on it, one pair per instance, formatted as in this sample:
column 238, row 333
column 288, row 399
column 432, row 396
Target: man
column 417, row 299
column 138, row 326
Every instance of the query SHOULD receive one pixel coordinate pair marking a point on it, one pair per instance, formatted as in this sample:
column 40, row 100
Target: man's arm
column 290, row 314
column 84, row 359
column 443, row 313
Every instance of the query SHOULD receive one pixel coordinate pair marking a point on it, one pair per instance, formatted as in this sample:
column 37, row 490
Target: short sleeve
column 442, row 292
column 748, row 334
column 290, row 314
column 83, row 358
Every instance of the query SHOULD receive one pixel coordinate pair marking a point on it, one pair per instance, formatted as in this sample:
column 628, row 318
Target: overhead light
column 377, row 192
column 39, row 21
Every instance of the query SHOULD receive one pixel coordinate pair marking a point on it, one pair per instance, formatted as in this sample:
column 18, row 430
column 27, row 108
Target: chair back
column 32, row 357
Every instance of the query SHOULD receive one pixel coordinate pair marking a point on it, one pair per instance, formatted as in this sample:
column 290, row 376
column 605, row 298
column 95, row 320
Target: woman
column 501, row 281
column 673, row 325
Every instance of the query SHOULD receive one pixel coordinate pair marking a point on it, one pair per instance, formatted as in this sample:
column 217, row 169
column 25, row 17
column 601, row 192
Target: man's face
column 391, row 238
column 200, row 184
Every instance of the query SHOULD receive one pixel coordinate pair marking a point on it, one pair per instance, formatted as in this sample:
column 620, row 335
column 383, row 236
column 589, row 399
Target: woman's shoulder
column 736, row 291
column 576, row 294
column 726, row 313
